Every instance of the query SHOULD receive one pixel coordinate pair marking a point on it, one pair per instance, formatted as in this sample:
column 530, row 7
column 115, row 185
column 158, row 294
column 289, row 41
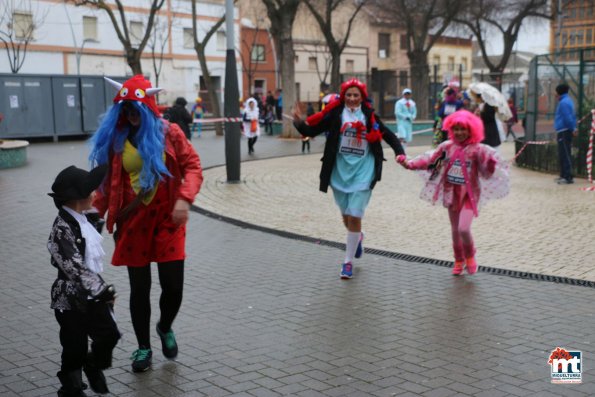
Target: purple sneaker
column 346, row 271
column 360, row 246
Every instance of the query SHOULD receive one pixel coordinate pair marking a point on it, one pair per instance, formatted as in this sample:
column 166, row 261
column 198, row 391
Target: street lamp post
column 230, row 105
column 79, row 55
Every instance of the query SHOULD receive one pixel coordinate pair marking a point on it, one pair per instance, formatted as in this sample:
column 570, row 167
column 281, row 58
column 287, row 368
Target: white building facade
column 73, row 40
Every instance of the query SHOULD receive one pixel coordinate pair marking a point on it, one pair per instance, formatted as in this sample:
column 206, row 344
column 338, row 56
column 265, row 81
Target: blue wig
column 149, row 141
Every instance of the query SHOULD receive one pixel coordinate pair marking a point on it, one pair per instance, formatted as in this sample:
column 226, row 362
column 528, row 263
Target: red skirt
column 149, row 234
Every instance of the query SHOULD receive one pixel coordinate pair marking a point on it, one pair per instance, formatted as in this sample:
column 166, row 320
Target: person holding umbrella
column 491, row 104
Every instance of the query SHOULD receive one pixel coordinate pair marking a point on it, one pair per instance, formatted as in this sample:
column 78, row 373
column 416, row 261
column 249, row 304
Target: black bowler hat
column 73, row 183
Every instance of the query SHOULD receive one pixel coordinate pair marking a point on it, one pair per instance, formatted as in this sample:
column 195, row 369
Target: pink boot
column 471, row 265
column 457, row 270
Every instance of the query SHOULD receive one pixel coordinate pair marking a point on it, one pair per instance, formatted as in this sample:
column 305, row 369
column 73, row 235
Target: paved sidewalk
column 267, row 316
column 541, row 227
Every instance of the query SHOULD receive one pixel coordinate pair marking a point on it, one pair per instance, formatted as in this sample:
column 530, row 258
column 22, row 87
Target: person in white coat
column 251, row 124
column 405, row 113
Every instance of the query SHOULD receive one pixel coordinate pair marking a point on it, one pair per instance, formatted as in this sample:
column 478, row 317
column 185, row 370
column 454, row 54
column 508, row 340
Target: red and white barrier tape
column 526, row 144
column 219, row 120
column 590, row 150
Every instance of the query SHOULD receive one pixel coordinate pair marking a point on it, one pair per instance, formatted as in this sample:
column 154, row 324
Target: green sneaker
column 168, row 343
column 141, row 360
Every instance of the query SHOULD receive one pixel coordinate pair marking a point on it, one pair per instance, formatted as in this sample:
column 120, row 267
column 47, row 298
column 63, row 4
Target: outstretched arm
column 424, row 161
column 311, row 130
column 390, row 138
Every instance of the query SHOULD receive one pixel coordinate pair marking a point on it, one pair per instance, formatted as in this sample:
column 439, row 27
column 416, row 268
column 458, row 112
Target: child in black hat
column 81, row 299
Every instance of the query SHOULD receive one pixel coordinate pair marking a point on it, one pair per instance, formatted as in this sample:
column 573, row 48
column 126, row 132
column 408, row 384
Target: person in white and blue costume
column 405, row 113
column 353, row 156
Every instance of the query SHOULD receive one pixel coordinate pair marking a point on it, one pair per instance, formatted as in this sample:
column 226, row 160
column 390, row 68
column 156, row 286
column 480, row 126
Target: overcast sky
column 534, row 36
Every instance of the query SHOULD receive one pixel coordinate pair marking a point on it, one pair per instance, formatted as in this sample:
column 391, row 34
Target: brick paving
column 266, row 316
column 541, row 227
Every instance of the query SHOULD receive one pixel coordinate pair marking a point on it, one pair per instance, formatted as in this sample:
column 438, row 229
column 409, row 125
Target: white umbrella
column 492, row 97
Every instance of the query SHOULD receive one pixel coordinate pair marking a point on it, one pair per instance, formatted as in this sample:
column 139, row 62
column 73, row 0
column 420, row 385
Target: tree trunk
column 496, row 78
column 420, row 82
column 287, row 63
column 133, row 59
column 335, row 69
column 206, row 75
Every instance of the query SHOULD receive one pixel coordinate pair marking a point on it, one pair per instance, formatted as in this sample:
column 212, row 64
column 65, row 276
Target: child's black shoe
column 72, row 384
column 95, row 376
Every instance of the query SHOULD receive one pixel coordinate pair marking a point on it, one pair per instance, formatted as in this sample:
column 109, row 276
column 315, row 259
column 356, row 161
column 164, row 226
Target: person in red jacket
column 154, row 175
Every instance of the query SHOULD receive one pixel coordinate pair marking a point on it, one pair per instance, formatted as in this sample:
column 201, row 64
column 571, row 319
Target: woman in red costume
column 154, row 175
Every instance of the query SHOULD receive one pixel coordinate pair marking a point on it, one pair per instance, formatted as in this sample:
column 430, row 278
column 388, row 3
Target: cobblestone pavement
column 267, row 316
column 541, row 227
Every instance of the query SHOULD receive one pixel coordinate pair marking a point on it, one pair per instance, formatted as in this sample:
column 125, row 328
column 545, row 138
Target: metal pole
column 230, row 105
column 581, row 72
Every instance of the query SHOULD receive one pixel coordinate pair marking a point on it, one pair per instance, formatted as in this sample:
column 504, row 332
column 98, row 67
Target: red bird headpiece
column 138, row 89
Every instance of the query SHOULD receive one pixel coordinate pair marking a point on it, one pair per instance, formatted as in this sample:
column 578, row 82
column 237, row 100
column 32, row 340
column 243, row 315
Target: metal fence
column 577, row 69
column 52, row 105
column 387, row 85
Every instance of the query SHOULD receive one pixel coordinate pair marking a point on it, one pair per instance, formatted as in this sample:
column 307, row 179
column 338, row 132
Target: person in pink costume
column 462, row 173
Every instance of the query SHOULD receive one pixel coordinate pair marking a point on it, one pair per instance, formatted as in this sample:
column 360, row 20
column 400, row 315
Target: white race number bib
column 350, row 144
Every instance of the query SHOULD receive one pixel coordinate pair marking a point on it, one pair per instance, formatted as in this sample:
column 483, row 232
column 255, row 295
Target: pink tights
column 462, row 240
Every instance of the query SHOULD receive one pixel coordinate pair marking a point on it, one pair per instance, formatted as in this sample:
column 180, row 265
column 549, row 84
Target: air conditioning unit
column 382, row 54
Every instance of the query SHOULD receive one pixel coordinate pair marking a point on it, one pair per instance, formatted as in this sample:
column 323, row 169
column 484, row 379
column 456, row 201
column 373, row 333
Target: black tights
column 171, row 278
column 251, row 142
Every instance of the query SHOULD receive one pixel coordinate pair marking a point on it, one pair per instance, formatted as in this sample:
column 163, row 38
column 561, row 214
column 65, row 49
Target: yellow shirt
column 133, row 164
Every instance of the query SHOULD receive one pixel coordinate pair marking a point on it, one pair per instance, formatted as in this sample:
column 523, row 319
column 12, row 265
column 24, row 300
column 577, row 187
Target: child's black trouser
column 305, row 144
column 75, row 329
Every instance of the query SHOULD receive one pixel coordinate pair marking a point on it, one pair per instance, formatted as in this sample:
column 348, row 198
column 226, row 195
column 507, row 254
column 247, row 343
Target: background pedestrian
column 565, row 126
column 405, row 113
column 251, row 118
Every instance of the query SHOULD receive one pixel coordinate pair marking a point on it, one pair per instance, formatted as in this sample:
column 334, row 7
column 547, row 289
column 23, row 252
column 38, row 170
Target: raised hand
column 297, row 113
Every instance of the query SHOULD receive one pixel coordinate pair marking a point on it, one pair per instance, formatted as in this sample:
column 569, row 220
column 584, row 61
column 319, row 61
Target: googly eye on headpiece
column 138, row 89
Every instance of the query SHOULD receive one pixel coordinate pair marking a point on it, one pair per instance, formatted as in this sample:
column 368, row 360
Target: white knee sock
column 352, row 241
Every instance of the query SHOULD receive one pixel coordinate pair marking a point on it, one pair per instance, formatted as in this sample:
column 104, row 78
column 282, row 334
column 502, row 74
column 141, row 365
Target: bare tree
column 323, row 10
column 424, row 22
column 199, row 47
column 133, row 45
column 505, row 17
column 18, row 23
column 157, row 43
column 282, row 14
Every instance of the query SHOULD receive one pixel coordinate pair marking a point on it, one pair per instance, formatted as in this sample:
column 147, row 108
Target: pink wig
column 467, row 120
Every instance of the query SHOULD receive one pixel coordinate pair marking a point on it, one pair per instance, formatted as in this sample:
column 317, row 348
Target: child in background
column 251, row 123
column 198, row 111
column 463, row 173
column 305, row 144
column 81, row 299
column 269, row 118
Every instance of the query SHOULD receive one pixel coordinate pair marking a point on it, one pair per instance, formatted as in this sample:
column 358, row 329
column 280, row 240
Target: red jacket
column 181, row 160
